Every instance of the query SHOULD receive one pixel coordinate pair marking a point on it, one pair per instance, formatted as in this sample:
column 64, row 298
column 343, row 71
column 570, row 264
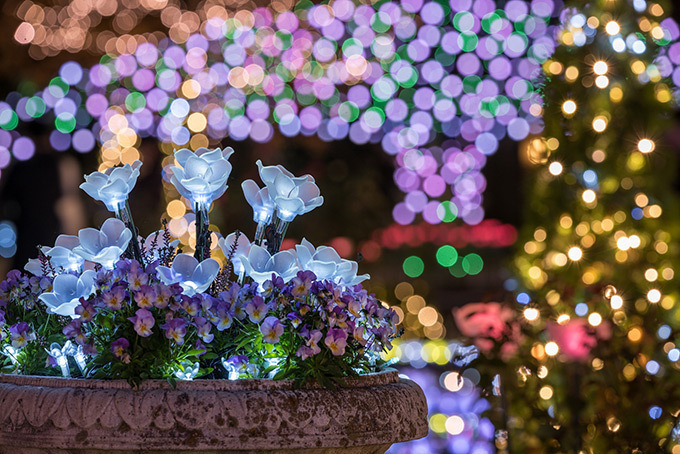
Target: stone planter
column 56, row 415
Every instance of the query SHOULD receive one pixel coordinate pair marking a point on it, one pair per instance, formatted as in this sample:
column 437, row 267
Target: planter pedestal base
column 45, row 415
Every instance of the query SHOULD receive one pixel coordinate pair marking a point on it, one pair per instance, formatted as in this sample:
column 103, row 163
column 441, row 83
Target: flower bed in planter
column 287, row 344
column 48, row 414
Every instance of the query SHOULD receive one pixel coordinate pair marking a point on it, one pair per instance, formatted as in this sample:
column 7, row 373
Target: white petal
column 124, row 239
column 184, row 264
column 108, row 256
column 205, row 273
column 91, row 240
column 67, row 241
column 166, row 275
column 91, row 190
column 34, row 266
column 182, row 155
column 250, row 191
column 65, row 284
column 258, row 257
column 113, row 229
column 50, row 299
column 294, row 206
column 308, row 191
column 327, row 254
column 323, row 270
column 283, row 261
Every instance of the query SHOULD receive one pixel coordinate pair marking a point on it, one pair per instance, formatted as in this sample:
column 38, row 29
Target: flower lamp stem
column 276, row 232
column 124, row 213
column 202, row 232
column 259, row 233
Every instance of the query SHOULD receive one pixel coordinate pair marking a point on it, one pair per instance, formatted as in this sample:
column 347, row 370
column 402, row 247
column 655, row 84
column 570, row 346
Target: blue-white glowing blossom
column 327, row 264
column 104, row 246
column 67, row 289
column 259, row 264
column 113, row 186
column 201, row 176
column 194, row 277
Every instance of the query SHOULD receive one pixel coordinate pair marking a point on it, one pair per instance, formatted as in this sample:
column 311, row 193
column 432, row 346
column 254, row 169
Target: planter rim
column 384, row 377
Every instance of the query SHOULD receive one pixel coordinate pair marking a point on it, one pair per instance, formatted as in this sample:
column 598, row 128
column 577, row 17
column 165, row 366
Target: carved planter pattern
column 55, row 415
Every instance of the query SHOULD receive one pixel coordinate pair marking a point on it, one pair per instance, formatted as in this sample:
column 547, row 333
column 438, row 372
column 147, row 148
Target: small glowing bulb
column 646, row 146
column 589, row 196
column 531, row 313
column 623, row 243
column 616, row 302
column 651, row 274
column 635, row 241
column 575, row 253
column 545, row 392
column 562, row 319
column 551, row 348
column 600, row 68
column 602, row 81
column 594, row 319
column 600, row 123
column 555, row 168
column 612, row 28
column 654, row 296
column 568, row 107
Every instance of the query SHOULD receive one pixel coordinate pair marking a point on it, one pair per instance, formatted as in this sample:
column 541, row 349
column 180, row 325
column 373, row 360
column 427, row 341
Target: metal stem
column 259, row 233
column 124, row 213
column 202, row 232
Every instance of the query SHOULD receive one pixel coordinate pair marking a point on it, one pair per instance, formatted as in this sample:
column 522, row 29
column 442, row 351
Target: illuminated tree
column 598, row 258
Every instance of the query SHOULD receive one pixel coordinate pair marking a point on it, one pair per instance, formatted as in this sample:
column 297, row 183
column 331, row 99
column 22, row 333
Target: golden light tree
column 599, row 253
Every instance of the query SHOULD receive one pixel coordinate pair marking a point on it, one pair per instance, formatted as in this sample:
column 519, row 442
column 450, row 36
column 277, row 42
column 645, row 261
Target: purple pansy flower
column 271, row 330
column 203, row 328
column 21, row 334
column 86, row 310
column 175, row 329
column 145, row 296
column 143, row 321
column 257, row 309
column 336, row 341
column 118, row 348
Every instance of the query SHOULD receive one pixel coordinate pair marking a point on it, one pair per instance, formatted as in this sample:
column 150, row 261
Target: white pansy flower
column 194, row 277
column 112, row 186
column 104, row 246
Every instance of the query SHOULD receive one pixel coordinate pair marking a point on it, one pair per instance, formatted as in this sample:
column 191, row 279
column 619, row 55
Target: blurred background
column 428, row 250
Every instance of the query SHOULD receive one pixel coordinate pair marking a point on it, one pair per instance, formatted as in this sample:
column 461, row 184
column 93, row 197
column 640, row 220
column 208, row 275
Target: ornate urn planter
column 56, row 415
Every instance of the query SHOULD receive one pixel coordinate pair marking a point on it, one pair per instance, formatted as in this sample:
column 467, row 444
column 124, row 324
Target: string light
column 569, row 107
column 600, row 68
column 615, row 234
column 555, row 168
column 531, row 314
column 575, row 253
column 551, row 348
column 612, row 28
column 646, row 145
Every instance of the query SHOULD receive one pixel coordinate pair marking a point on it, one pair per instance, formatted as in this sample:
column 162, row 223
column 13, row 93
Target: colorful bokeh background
column 408, row 113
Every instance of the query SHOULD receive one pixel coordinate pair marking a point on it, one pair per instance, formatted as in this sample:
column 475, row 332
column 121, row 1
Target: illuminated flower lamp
column 104, row 246
column 201, row 177
column 113, row 187
column 284, row 197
